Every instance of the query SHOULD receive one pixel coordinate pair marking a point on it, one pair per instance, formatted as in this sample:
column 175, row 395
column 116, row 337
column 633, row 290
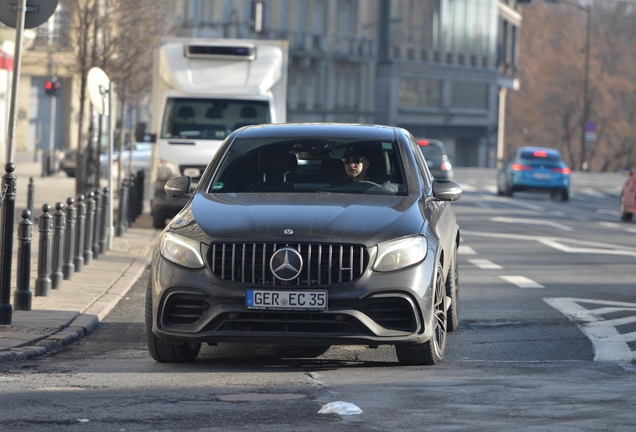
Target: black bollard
column 7, row 217
column 69, row 239
column 43, row 281
column 104, row 228
column 57, row 255
column 79, row 233
column 22, row 296
column 88, row 232
column 121, row 211
column 130, row 208
column 30, row 195
column 97, row 222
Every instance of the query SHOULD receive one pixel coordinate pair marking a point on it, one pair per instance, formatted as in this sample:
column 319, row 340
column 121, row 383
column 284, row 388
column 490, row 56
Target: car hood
column 331, row 218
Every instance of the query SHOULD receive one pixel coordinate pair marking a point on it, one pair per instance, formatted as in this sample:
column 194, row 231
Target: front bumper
column 375, row 309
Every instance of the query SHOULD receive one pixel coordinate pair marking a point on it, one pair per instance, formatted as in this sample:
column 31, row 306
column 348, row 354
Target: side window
column 427, row 179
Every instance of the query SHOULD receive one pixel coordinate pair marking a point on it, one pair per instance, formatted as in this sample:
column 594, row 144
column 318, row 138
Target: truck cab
column 203, row 89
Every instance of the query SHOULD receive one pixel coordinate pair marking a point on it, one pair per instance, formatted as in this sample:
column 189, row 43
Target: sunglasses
column 355, row 160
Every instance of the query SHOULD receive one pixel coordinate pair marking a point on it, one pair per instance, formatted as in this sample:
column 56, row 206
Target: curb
column 86, row 321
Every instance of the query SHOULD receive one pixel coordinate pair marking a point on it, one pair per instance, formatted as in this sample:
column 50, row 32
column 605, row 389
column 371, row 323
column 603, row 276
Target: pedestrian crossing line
column 485, row 264
column 522, row 281
column 466, row 250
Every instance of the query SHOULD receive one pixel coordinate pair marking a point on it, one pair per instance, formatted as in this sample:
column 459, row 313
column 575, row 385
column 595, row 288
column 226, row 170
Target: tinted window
column 308, row 165
column 210, row 119
column 431, row 150
column 539, row 156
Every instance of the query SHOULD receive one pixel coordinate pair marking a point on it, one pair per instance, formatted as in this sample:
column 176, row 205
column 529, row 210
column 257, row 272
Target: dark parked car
column 535, row 169
column 436, row 158
column 628, row 197
column 277, row 245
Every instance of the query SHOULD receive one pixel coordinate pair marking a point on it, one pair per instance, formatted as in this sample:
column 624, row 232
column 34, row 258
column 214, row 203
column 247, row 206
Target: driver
column 356, row 164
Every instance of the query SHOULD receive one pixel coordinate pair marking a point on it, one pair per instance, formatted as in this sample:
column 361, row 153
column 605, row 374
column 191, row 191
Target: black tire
column 565, row 195
column 452, row 291
column 625, row 216
column 161, row 350
column 430, row 352
column 509, row 191
column 158, row 220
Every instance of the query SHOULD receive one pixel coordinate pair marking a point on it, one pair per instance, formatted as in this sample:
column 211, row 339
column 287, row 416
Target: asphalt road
column 548, row 328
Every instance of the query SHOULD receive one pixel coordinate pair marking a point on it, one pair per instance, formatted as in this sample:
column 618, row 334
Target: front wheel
column 625, row 216
column 430, row 352
column 161, row 350
column 452, row 287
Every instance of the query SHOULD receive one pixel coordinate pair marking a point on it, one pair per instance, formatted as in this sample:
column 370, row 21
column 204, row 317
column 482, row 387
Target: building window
column 55, row 30
column 470, row 95
column 420, row 93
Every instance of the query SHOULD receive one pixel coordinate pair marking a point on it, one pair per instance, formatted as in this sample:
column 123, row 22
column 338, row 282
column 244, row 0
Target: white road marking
column 609, row 344
column 491, row 188
column 468, row 188
column 609, row 224
column 485, row 264
column 608, row 212
column 558, row 243
column 516, row 203
column 465, row 250
column 522, row 281
column 531, row 222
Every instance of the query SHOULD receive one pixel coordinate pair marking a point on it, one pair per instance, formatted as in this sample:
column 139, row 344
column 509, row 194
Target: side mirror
column 178, row 187
column 446, row 190
column 141, row 135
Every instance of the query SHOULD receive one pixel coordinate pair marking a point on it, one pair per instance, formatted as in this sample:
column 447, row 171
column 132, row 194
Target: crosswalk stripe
column 522, row 281
column 485, row 264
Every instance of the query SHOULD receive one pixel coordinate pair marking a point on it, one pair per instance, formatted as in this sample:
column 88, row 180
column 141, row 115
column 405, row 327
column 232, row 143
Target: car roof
column 319, row 130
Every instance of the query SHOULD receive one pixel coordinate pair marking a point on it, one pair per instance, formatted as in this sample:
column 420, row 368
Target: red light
column 540, row 153
column 565, row 170
column 422, row 143
column 48, row 85
column 519, row 167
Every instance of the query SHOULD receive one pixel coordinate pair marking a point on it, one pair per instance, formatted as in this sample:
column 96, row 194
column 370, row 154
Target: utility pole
column 586, row 98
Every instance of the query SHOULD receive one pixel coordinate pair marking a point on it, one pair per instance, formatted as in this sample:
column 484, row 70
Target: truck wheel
column 158, row 220
column 161, row 350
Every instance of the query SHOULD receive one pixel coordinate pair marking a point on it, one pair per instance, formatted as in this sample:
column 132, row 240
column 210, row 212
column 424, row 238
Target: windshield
column 210, row 119
column 311, row 165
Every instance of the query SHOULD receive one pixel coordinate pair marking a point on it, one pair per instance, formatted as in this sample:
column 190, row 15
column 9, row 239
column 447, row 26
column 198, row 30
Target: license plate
column 541, row 176
column 286, row 300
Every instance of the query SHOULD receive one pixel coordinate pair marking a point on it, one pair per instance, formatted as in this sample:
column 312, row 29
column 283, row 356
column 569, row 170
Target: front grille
column 322, row 264
column 185, row 308
column 284, row 322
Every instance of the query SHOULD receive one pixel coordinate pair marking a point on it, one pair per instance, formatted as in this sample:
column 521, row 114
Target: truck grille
column 186, row 169
column 322, row 264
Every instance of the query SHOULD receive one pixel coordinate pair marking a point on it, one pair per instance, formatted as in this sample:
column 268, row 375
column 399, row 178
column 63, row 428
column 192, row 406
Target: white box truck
column 203, row 89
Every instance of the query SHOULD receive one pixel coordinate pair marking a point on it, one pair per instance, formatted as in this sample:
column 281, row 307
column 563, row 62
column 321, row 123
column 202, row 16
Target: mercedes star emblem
column 286, row 264
column 289, row 231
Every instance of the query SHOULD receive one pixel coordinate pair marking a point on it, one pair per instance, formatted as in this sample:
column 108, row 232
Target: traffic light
column 52, row 86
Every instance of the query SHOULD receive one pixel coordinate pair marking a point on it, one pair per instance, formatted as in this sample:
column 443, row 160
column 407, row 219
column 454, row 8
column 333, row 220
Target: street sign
column 37, row 12
column 590, row 136
column 590, row 126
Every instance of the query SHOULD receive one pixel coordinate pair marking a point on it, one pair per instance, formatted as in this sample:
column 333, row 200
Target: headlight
column 181, row 250
column 167, row 170
column 397, row 254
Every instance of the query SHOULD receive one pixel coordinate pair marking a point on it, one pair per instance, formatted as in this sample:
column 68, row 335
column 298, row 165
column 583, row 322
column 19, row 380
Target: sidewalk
column 73, row 310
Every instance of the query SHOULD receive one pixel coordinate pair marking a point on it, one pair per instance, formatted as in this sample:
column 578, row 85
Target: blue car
column 535, row 169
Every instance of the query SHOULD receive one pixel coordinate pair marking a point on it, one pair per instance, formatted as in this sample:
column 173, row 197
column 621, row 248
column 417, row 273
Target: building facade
column 434, row 67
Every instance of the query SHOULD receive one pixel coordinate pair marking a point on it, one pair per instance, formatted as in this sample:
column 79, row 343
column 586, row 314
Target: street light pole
column 586, row 99
column 586, row 72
